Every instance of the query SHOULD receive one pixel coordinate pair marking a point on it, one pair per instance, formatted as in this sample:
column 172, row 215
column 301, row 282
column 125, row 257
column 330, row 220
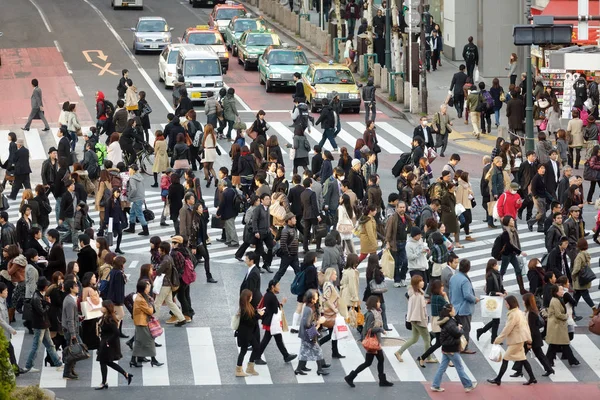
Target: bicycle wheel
column 146, row 163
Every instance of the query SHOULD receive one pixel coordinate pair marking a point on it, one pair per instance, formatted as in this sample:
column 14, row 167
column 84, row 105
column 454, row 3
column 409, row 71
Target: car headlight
column 218, row 84
column 252, row 55
column 321, row 95
column 189, row 84
column 353, row 96
column 225, row 54
column 274, row 76
column 166, row 38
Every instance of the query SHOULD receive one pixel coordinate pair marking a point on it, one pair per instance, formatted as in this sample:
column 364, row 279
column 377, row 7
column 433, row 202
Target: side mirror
column 132, row 29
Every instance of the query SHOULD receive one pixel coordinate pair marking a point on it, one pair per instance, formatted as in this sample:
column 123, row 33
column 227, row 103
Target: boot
column 250, row 369
column 11, row 314
column 295, row 323
column 121, row 335
column 595, row 311
column 300, row 368
column 239, row 372
column 350, row 378
column 383, row 381
column 131, row 228
column 334, row 350
column 520, row 282
column 320, row 368
column 144, row 231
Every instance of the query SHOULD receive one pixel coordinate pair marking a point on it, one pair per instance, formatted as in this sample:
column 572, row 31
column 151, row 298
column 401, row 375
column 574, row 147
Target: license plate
column 196, row 95
column 154, row 46
column 209, row 2
column 124, row 4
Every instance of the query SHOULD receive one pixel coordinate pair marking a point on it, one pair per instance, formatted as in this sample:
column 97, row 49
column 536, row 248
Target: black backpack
column 470, row 53
column 402, row 161
column 497, row 248
column 109, row 108
column 303, row 115
column 239, row 205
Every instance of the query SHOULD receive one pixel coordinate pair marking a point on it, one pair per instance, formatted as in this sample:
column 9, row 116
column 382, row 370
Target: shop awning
column 569, row 7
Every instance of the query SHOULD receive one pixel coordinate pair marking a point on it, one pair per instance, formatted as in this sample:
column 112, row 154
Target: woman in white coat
column 114, row 152
column 346, row 223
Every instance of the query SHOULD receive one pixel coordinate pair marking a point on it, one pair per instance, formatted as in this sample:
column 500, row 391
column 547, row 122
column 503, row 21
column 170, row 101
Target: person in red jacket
column 510, row 202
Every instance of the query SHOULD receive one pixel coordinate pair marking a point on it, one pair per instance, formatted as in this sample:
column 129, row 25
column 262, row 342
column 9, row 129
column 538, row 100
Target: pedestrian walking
column 198, row 239
column 511, row 245
column 247, row 333
column 416, row 315
column 493, row 287
column 230, row 113
column 37, row 107
column 456, row 89
column 135, row 195
column 328, row 124
column 143, row 310
column 22, row 170
column 462, row 297
column 438, row 300
column 368, row 95
column 310, row 322
column 470, row 54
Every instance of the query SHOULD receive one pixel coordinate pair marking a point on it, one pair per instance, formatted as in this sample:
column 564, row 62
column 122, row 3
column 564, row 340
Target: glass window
column 244, row 25
column 261, row 40
column 173, row 57
column 229, row 13
column 205, row 38
column 202, row 68
column 333, row 76
column 287, row 58
column 152, row 26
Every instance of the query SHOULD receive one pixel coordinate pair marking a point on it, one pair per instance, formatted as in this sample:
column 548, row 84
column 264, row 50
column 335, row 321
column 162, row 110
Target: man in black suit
column 87, row 258
column 294, row 200
column 527, row 171
column 262, row 231
column 56, row 255
column 22, row 170
column 564, row 184
column 456, row 87
column 64, row 145
column 552, row 175
column 67, row 211
column 557, row 259
column 310, row 214
column 484, row 188
column 252, row 279
column 425, row 132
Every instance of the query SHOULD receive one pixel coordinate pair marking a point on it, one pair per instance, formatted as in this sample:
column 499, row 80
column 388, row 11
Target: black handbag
column 27, row 310
column 148, row 214
column 590, row 174
column 586, row 275
column 320, row 230
column 216, row 222
column 407, row 323
column 75, row 352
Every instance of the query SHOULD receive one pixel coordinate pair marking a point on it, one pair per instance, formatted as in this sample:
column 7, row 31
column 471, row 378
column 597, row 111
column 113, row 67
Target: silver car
column 151, row 34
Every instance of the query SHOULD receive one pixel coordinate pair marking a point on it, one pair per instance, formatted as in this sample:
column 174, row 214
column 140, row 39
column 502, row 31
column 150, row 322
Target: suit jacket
column 552, row 178
column 332, row 193
column 87, row 259
column 252, row 283
column 64, row 148
column 22, row 161
column 294, row 200
column 484, row 184
column 526, row 173
column 556, row 262
column 70, row 317
column 420, row 131
column 56, row 260
column 67, row 210
column 36, row 98
column 458, row 81
column 310, row 209
column 563, row 189
column 260, row 220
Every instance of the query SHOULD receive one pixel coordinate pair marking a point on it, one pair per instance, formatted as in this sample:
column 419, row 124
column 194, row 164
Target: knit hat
column 177, row 239
column 355, row 162
column 415, row 231
column 20, row 260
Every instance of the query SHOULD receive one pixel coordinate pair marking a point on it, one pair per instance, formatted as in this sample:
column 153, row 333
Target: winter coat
column 556, row 328
column 462, row 194
column 210, row 149
column 368, row 235
column 349, row 286
column 515, row 332
column 450, row 335
column 136, row 191
column 417, row 308
column 302, row 146
column 461, row 293
column 582, row 261
column 575, row 126
column 417, row 259
column 515, row 111
column 161, row 159
column 175, row 196
column 114, row 153
column 110, row 345
column 448, row 217
column 508, row 204
column 230, row 112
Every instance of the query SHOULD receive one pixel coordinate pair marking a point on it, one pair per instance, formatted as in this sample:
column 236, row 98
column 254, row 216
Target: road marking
column 104, row 69
column 68, row 68
column 34, row 144
column 79, row 92
column 101, row 55
column 401, row 136
column 113, row 376
column 157, row 376
column 57, row 46
column 42, row 15
column 139, row 67
column 203, row 356
column 383, row 143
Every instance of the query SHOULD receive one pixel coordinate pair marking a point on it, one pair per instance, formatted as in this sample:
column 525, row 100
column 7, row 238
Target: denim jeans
column 457, row 361
column 42, row 336
column 136, row 211
column 338, row 127
column 401, row 262
column 328, row 134
column 70, row 223
column 510, row 259
column 57, row 207
column 370, row 111
column 497, row 116
column 73, row 139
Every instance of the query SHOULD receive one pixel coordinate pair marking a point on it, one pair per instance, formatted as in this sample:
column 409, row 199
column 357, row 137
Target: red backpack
column 189, row 274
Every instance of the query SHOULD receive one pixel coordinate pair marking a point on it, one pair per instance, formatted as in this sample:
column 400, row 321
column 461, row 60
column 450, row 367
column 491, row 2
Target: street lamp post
column 388, row 35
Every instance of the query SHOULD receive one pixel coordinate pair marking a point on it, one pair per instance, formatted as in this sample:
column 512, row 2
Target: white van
column 201, row 69
column 127, row 4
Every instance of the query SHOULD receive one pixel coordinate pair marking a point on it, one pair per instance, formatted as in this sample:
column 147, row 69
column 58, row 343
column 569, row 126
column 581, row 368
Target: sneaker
column 402, row 283
column 439, row 389
column 76, row 249
column 32, row 369
column 470, row 389
column 397, row 284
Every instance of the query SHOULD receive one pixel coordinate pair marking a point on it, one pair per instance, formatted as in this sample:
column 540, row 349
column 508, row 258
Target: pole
column 388, row 36
column 321, row 15
column 409, row 69
column 529, row 144
column 424, row 61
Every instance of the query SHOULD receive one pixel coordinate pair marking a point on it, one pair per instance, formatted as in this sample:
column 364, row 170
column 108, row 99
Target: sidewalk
column 438, row 84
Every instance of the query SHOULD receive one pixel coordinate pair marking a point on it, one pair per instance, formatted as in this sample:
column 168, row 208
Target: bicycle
column 145, row 158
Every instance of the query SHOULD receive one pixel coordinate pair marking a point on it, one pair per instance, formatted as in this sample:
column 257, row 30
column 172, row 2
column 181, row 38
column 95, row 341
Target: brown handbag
column 594, row 325
column 370, row 343
column 329, row 315
column 360, row 317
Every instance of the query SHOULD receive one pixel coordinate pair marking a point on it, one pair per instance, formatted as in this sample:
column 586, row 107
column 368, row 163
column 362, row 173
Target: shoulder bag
column 586, row 275
column 370, row 343
column 155, row 329
column 377, row 288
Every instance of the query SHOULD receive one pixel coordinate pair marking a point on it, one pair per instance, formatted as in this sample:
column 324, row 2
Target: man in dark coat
column 310, row 214
column 552, row 175
column 87, row 258
column 515, row 112
column 471, row 56
column 425, row 132
column 262, row 231
column 64, row 145
column 67, row 211
column 484, row 188
column 49, row 168
column 356, row 181
column 295, row 201
column 252, row 279
column 558, row 261
column 456, row 87
column 8, row 233
column 527, row 171
column 22, row 170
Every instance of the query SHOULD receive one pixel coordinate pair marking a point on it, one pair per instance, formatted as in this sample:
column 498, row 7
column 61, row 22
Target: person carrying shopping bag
column 416, row 316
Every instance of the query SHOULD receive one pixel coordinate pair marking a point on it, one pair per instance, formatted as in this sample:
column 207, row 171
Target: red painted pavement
column 46, row 64
column 512, row 391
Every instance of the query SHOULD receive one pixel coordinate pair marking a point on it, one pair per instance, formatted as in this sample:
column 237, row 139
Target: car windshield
column 333, row 76
column 173, row 57
column 261, row 39
column 243, row 26
column 229, row 13
column 202, row 68
column 205, row 38
column 152, row 26
column 287, row 58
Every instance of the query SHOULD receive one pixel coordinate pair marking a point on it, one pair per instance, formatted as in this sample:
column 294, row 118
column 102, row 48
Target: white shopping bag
column 476, row 74
column 496, row 353
column 158, row 282
column 491, row 306
column 340, row 329
column 276, row 327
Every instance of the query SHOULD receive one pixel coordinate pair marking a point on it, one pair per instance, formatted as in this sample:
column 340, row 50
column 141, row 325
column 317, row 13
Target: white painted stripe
column 51, row 377
column 485, row 347
column 57, row 45
column 17, row 342
column 112, row 377
column 354, row 357
column 158, row 376
column 383, row 143
column 407, row 371
column 398, row 134
column 78, row 90
column 55, row 134
column 292, row 342
column 133, row 264
column 203, row 356
column 561, row 372
column 283, row 132
column 34, row 144
column 42, row 15
column 69, row 70
column 4, row 144
column 587, row 350
column 316, row 135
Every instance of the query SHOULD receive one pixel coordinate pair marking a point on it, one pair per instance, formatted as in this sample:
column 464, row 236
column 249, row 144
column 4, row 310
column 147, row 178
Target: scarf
column 561, row 228
column 378, row 319
column 513, row 237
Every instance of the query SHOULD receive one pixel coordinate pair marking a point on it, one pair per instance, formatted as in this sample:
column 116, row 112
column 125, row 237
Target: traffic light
column 525, row 35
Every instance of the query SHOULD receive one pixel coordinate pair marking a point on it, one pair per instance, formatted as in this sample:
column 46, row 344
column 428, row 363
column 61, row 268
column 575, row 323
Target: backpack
column 470, row 53
column 488, row 101
column 196, row 132
column 189, row 274
column 116, row 181
column 303, row 115
column 238, row 203
column 101, row 152
column 402, row 161
column 298, row 284
column 109, row 108
column 593, row 91
column 497, row 248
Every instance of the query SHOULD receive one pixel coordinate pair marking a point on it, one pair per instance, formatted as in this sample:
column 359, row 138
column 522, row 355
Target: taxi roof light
column 203, row 27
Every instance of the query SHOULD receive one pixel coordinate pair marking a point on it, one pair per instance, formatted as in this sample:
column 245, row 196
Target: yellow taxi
column 222, row 14
column 204, row 35
column 322, row 79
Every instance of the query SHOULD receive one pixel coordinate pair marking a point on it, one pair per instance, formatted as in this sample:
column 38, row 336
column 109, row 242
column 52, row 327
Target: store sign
column 536, row 51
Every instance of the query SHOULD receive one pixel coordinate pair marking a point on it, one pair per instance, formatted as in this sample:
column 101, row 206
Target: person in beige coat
column 331, row 308
column 557, row 331
column 349, row 284
column 575, row 133
column 582, row 261
column 416, row 316
column 161, row 159
column 464, row 194
column 368, row 232
column 516, row 333
column 103, row 185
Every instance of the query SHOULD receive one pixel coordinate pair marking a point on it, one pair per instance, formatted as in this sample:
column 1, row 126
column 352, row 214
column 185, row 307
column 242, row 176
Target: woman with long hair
column 330, row 302
column 92, row 300
column 274, row 150
column 235, row 153
column 144, row 110
column 114, row 151
column 246, row 333
column 374, row 272
column 449, row 218
column 416, row 316
column 554, row 116
column 582, row 261
column 180, row 160
column 102, row 249
column 512, row 248
column 575, row 131
column 516, row 333
column 368, row 232
column 349, row 283
column 360, row 143
column 535, row 325
column 100, row 205
column 345, row 225
column 209, row 142
column 310, row 322
column 535, row 276
column 512, row 68
column 345, row 161
column 110, row 345
column 199, row 238
column 374, row 326
column 495, row 91
column 496, row 150
column 113, row 210
column 161, row 158
column 493, row 287
column 594, row 163
column 56, row 295
column 193, row 130
column 464, row 195
column 143, row 310
column 543, row 148
column 45, row 209
column 116, row 290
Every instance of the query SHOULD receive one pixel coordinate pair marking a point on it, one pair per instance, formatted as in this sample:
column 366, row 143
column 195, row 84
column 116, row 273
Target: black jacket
column 299, row 89
column 458, row 81
column 40, row 308
column 64, row 149
column 185, row 104
column 536, row 279
column 22, row 161
column 550, row 178
column 327, row 118
column 507, row 245
column 87, row 259
column 538, row 186
column 553, row 236
column 172, row 129
column 247, row 166
column 67, row 209
column 450, row 335
column 8, row 234
column 294, row 198
column 556, row 260
column 260, row 220
column 419, row 132
column 175, row 196
column 271, row 307
column 356, row 183
column 484, row 184
column 56, row 260
column 526, row 173
column 310, row 208
column 44, row 210
column 226, row 209
column 493, row 284
column 23, row 232
column 252, row 283
column 49, row 172
column 535, row 325
column 260, row 127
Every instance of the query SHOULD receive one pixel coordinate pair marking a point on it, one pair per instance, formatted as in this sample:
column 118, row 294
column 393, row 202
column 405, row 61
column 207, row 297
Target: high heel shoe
column 517, row 375
column 421, row 362
column 134, row 364
column 154, row 363
column 322, row 372
column 299, row 372
column 548, row 373
column 494, row 381
column 129, row 378
column 103, row 386
column 530, row 382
